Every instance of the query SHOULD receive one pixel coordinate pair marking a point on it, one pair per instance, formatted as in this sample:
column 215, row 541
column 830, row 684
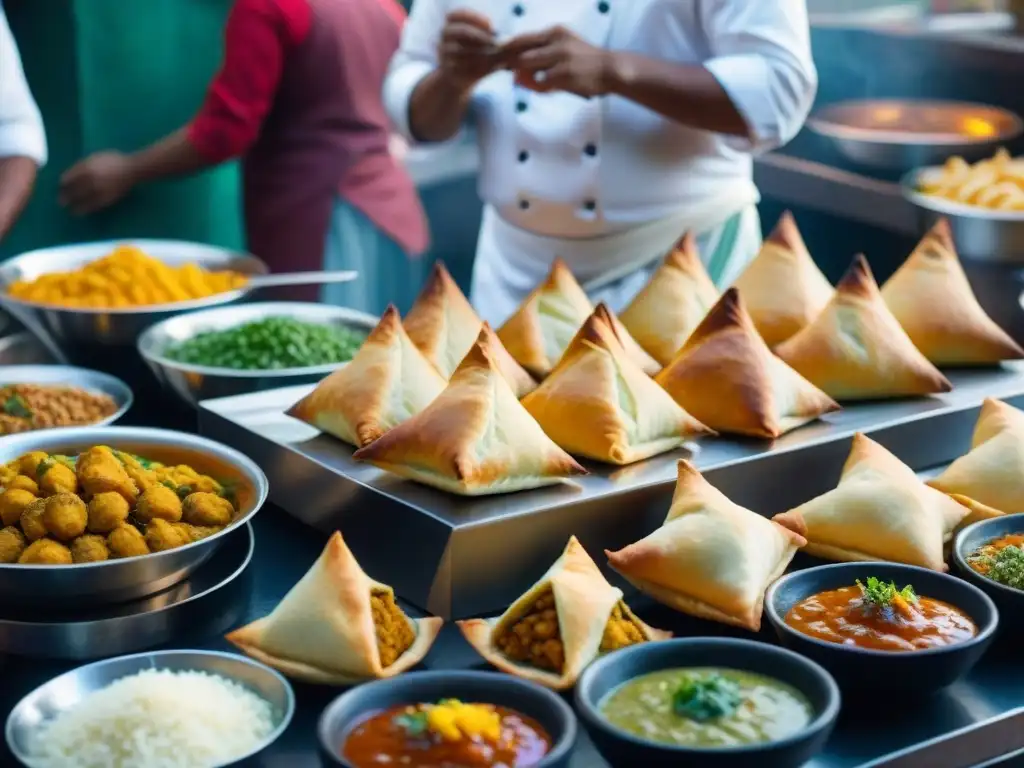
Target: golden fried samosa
column 338, row 626
column 560, row 625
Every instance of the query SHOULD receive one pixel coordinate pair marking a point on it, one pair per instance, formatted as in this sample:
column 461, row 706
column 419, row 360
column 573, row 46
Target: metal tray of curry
column 118, row 525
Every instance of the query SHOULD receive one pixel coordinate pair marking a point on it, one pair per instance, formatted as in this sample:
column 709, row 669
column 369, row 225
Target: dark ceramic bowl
column 864, row 670
column 1008, row 600
column 624, row 750
column 544, row 706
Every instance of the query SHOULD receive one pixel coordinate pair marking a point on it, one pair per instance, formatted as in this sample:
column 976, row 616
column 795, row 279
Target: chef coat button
column 524, row 204
column 520, row 106
column 524, row 156
column 590, row 205
column 603, row 7
column 590, row 150
column 518, row 10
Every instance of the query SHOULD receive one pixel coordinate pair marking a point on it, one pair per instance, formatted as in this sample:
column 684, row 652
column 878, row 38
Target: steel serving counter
column 983, row 704
column 475, row 555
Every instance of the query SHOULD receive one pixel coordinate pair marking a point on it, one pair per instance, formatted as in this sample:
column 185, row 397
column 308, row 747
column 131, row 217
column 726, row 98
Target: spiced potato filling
column 395, row 634
column 535, row 638
column 622, row 629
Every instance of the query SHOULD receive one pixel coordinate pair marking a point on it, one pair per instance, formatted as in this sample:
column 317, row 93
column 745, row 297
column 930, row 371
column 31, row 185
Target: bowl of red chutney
column 480, row 719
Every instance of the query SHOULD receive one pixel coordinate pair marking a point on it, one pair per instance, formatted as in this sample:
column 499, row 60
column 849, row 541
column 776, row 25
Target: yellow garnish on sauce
column 126, row 277
column 454, row 721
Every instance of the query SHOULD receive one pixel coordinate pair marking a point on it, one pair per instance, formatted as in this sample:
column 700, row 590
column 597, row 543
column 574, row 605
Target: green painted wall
column 118, row 74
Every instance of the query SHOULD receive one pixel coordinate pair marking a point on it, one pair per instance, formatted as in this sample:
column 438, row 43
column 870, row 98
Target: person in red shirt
column 298, row 98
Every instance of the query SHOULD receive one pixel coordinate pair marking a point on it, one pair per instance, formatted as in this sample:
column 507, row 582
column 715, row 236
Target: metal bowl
column 87, row 584
column 199, row 382
column 67, row 375
column 980, row 234
column 900, row 134
column 72, row 688
column 116, row 326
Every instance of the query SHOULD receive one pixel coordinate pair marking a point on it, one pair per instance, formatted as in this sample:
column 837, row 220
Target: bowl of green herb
column 712, row 702
column 990, row 555
column 883, row 627
column 252, row 347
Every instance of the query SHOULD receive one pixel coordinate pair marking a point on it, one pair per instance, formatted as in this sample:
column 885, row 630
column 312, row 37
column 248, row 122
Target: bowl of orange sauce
column 473, row 719
column 883, row 627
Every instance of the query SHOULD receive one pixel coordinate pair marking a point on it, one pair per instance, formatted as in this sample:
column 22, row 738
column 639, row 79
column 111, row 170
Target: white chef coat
column 21, row 126
column 582, row 174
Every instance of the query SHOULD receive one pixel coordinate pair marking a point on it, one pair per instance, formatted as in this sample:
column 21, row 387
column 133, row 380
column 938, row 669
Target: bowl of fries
column 983, row 201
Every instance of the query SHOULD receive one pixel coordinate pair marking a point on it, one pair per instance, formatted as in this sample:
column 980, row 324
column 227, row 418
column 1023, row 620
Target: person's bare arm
column 437, row 108
column 17, row 178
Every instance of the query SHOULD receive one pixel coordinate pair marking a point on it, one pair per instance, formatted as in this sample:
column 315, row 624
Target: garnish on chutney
column 16, row 406
column 1004, row 565
column 886, row 597
column 413, row 722
column 706, row 698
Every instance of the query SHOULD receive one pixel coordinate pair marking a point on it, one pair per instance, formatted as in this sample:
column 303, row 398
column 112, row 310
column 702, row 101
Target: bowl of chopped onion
column 169, row 708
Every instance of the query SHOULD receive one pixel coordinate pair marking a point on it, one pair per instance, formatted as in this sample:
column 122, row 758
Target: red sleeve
column 257, row 38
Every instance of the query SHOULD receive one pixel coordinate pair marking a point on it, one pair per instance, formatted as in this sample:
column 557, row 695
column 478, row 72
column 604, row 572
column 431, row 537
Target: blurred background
column 91, row 62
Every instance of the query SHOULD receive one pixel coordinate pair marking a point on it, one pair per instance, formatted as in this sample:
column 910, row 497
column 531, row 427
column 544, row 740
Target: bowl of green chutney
column 707, row 701
column 247, row 348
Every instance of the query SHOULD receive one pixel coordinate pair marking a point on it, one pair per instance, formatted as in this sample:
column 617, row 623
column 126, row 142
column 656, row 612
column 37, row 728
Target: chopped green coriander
column 1005, row 566
column 270, row 344
column 413, row 723
column 706, row 698
column 882, row 594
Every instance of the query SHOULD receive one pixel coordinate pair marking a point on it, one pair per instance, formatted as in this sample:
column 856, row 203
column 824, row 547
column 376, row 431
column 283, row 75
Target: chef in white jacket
column 22, row 140
column 607, row 128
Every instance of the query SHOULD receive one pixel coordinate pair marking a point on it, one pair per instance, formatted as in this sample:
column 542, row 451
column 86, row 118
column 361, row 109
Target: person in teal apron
column 298, row 98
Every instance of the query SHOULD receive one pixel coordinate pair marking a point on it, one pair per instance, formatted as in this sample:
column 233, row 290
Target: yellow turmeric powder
column 126, row 277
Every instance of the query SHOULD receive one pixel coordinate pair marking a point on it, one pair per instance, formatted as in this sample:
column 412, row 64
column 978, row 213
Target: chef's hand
column 467, row 52
column 558, row 60
column 96, row 182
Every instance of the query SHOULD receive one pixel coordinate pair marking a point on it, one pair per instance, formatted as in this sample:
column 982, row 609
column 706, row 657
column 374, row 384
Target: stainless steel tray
column 134, row 626
column 474, row 556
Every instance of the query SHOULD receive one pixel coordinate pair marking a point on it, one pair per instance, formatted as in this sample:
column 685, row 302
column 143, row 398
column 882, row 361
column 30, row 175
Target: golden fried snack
column 126, row 541
column 29, row 463
column 32, row 520
column 197, row 532
column 12, row 503
column 99, row 471
column 996, row 183
column 12, row 544
column 57, row 478
column 24, row 483
column 107, row 510
column 89, row 549
column 158, row 502
column 207, row 509
column 65, row 516
column 162, row 535
column 45, row 552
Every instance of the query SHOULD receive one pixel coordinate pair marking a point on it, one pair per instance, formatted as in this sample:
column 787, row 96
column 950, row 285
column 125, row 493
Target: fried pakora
column 126, row 541
column 89, row 548
column 162, row 535
column 12, row 503
column 104, row 504
column 107, row 510
column 31, row 522
column 204, row 508
column 45, row 552
column 99, row 471
column 12, row 544
column 24, row 483
column 65, row 516
column 56, row 477
column 158, row 502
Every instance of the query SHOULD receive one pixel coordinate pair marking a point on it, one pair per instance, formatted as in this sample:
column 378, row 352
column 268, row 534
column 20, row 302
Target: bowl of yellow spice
column 108, row 292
